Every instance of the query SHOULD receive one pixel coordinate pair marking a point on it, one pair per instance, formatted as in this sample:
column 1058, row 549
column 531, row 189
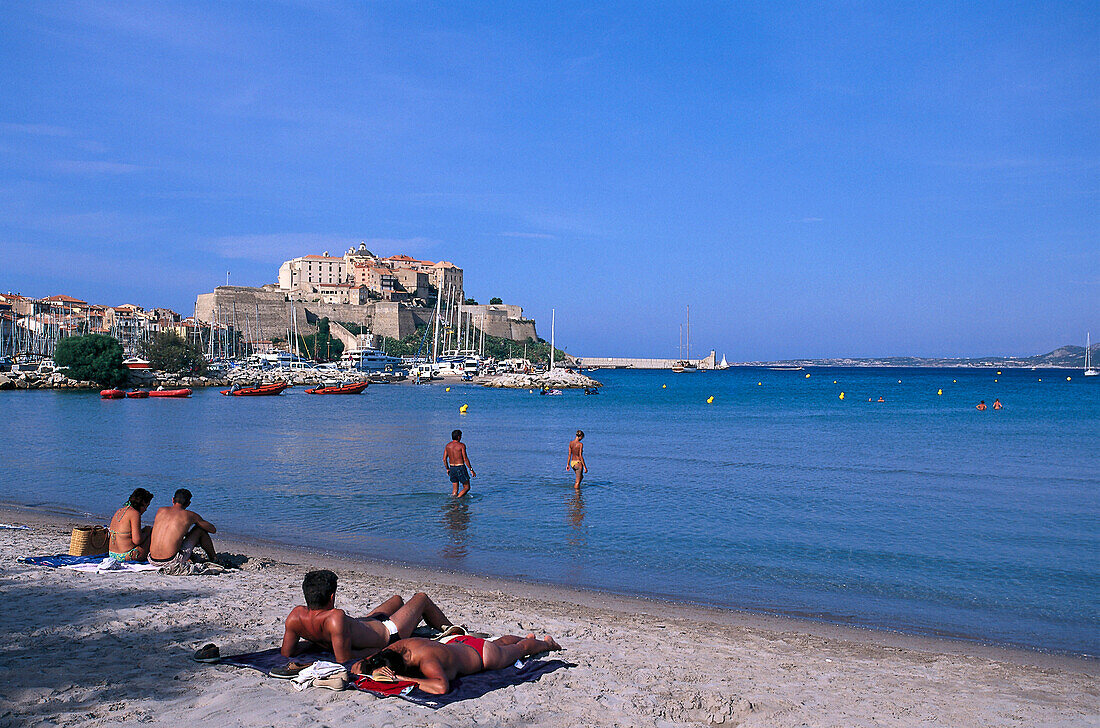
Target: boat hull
column 178, row 393
column 353, row 388
column 112, row 394
column 266, row 390
column 137, row 394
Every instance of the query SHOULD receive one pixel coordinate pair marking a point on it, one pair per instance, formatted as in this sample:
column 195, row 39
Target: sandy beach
column 85, row 649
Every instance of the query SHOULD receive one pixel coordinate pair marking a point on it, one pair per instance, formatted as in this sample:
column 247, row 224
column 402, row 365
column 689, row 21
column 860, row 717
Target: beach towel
column 466, row 687
column 94, row 564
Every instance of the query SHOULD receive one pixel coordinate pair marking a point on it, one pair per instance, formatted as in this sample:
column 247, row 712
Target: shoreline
column 104, row 649
column 583, row 596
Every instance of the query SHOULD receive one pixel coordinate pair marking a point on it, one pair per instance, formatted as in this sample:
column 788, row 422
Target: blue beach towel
column 467, row 687
column 60, row 560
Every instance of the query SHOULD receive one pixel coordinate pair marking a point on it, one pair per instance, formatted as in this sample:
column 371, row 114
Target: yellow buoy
column 448, row 389
column 842, row 395
column 939, row 391
column 954, row 381
column 807, row 376
column 710, row 399
column 463, row 408
column 996, row 380
column 834, row 381
column 1068, row 378
column 663, row 386
column 760, row 384
column 1040, row 379
column 998, row 371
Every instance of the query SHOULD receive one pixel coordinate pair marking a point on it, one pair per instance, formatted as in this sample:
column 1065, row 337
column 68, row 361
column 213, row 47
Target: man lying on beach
column 129, row 541
column 176, row 533
column 321, row 623
column 433, row 665
column 456, row 462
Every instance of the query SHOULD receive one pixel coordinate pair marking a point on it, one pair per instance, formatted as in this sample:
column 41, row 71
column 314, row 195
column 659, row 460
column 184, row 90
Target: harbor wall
column 612, row 362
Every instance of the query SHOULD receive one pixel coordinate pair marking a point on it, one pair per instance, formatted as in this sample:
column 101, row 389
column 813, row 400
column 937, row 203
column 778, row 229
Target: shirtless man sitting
column 321, row 623
column 433, row 665
column 129, row 541
column 177, row 531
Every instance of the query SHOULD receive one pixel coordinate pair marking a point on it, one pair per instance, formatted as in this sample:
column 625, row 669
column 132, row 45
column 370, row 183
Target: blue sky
column 814, row 179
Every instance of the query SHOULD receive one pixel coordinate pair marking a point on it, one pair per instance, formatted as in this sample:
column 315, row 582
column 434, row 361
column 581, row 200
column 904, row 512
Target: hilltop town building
column 388, row 296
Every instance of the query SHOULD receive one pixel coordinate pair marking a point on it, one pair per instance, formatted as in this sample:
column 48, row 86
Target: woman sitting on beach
column 433, row 665
column 129, row 541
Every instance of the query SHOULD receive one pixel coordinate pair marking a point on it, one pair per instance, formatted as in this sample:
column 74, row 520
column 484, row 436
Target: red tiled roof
column 408, row 259
column 64, row 299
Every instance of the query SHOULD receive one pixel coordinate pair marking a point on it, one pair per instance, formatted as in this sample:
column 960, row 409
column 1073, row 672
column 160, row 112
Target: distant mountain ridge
column 1064, row 357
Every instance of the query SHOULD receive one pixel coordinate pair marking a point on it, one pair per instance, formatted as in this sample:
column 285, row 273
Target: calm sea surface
column 919, row 514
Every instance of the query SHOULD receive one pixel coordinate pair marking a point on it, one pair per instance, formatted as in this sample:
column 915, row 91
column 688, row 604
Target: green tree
column 93, row 357
column 168, row 352
column 470, row 302
column 494, row 301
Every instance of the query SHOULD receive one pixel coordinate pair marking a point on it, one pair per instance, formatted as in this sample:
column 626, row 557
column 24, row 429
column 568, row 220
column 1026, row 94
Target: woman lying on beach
column 129, row 541
column 438, row 663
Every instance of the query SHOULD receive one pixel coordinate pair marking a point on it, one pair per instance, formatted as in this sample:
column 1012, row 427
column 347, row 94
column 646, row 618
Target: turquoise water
column 919, row 514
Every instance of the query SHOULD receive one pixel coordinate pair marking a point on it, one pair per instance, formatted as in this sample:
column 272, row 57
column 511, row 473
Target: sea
column 750, row 489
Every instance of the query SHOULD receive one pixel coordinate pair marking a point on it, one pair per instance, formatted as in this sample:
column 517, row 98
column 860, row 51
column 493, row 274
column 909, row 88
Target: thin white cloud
column 36, row 129
column 278, row 247
column 813, row 219
column 531, row 236
column 91, row 166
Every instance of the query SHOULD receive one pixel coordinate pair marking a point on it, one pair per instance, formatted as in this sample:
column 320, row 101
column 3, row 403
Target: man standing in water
column 575, row 460
column 456, row 463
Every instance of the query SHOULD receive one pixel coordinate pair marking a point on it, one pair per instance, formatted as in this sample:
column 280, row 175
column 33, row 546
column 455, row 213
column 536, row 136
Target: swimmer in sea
column 997, row 404
column 981, row 406
column 457, row 464
column 575, row 459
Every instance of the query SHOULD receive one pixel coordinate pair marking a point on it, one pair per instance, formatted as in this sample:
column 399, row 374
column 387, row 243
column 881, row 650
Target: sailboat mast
column 435, row 337
column 553, row 316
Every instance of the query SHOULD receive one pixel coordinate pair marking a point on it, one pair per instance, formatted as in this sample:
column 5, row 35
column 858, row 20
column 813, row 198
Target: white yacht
column 1090, row 370
column 369, row 360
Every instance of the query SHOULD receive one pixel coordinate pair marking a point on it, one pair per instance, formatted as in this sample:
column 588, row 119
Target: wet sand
column 84, row 649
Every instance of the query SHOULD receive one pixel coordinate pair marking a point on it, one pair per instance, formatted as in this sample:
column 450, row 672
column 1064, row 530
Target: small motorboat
column 346, row 388
column 264, row 390
column 112, row 394
column 170, row 393
column 137, row 394
column 551, row 392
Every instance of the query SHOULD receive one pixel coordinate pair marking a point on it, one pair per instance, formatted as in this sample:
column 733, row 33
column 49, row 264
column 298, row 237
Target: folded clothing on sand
column 464, row 688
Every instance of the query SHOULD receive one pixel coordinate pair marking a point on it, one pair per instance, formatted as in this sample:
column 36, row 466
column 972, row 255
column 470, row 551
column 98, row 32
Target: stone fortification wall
column 266, row 314
column 501, row 320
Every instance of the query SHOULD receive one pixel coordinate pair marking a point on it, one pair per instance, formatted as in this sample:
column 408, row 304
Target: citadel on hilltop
column 389, row 297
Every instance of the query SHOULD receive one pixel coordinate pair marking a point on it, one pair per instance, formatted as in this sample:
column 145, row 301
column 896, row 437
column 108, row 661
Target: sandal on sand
column 289, row 670
column 207, row 653
column 335, row 681
column 452, row 629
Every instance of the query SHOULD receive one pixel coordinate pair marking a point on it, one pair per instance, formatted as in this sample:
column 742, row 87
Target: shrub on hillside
column 92, row 357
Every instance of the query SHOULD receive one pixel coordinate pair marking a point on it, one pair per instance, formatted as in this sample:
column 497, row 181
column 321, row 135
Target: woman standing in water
column 575, row 460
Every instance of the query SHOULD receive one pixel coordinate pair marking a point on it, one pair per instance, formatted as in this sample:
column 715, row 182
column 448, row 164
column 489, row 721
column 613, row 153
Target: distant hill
column 1064, row 357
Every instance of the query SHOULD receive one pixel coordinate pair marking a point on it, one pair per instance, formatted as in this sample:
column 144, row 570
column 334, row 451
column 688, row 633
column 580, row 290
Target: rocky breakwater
column 42, row 380
column 553, row 379
column 247, row 376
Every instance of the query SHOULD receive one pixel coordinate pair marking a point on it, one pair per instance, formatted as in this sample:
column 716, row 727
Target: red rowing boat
column 112, row 394
column 261, row 391
column 170, row 393
column 349, row 388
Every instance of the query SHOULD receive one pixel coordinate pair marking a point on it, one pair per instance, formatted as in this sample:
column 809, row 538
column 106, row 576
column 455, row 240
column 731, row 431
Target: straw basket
column 88, row 540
